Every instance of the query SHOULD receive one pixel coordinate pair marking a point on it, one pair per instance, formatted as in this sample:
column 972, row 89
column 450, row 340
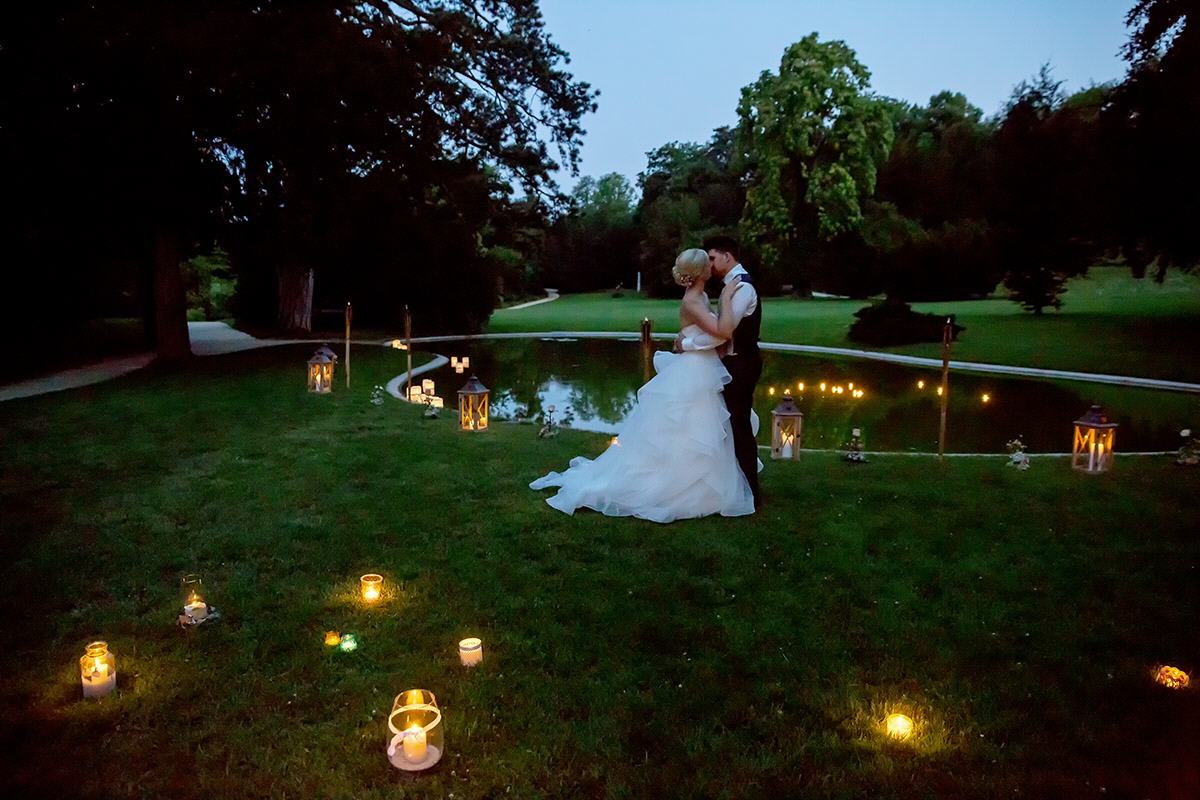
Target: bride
column 674, row 458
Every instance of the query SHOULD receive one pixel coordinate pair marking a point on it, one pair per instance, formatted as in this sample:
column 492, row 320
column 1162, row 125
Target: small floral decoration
column 1189, row 449
column 431, row 411
column 1017, row 457
column 854, row 448
column 549, row 427
column 377, row 395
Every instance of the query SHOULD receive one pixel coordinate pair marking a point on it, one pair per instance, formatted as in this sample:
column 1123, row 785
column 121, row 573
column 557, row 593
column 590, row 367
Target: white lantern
column 786, row 423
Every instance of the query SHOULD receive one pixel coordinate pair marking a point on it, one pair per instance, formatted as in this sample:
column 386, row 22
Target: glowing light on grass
column 418, row 739
column 921, row 384
column 195, row 608
column 987, row 398
column 332, row 638
column 822, row 386
column 98, row 670
column 348, row 643
column 371, row 586
column 1172, row 677
column 899, row 726
column 470, row 651
column 771, row 391
column 800, row 386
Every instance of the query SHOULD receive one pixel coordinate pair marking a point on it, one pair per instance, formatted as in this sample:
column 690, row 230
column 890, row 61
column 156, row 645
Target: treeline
column 394, row 154
column 835, row 189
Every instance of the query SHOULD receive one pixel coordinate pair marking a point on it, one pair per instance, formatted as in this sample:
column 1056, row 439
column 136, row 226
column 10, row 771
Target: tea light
column 372, row 587
column 194, row 604
column 899, row 726
column 418, row 740
column 98, row 670
column 470, row 651
column 348, row 643
column 920, row 384
column 332, row 638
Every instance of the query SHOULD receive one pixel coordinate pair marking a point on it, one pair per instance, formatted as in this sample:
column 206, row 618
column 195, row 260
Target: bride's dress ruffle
column 674, row 458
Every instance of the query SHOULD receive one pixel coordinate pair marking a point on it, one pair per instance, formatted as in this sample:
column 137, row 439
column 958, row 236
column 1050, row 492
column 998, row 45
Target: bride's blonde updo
column 689, row 266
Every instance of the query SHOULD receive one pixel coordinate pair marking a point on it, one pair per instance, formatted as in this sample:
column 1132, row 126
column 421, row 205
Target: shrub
column 892, row 323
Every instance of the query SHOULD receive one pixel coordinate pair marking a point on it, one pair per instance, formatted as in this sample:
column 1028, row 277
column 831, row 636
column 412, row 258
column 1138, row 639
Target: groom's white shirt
column 744, row 301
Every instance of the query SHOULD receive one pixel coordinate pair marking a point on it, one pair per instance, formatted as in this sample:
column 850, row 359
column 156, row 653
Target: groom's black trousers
column 745, row 370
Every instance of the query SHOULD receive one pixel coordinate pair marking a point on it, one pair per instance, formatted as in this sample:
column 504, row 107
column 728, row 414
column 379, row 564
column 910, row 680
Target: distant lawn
column 1110, row 323
column 1016, row 616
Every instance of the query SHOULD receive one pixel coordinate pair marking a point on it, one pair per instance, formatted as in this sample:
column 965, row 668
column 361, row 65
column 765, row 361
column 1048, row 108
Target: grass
column 1110, row 323
column 1015, row 616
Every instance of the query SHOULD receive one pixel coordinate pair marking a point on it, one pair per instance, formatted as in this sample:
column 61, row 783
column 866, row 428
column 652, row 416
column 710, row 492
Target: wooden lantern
column 1095, row 436
column 320, row 374
column 786, row 423
column 473, row 405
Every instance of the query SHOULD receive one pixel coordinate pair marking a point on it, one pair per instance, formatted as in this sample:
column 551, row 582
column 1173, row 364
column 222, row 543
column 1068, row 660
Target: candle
column 470, row 651
column 415, row 747
column 427, row 386
column 332, row 638
column 786, row 450
column 196, row 609
column 98, row 670
column 899, row 726
column 372, row 586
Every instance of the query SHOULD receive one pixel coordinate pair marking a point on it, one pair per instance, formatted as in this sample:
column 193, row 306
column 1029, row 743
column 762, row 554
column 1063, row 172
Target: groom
column 741, row 357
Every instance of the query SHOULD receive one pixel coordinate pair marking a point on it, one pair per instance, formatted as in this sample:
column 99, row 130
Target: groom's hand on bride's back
column 678, row 347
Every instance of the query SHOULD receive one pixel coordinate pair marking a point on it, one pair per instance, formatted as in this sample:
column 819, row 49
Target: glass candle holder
column 98, row 670
column 195, row 607
column 332, row 638
column 470, row 651
column 899, row 726
column 417, row 741
column 371, row 587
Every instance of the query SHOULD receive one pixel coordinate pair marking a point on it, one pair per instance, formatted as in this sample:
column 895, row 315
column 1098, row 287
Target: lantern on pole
column 1095, row 436
column 473, row 405
column 786, row 422
column 320, row 374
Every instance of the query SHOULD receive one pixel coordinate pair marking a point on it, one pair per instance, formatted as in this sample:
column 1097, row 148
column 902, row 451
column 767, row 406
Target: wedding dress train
column 674, row 456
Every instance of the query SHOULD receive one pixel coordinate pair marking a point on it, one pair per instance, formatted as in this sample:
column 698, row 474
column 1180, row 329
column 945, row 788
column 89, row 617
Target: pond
column 593, row 383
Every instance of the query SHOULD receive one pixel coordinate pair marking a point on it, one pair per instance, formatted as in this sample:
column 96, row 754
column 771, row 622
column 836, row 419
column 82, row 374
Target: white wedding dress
column 674, row 457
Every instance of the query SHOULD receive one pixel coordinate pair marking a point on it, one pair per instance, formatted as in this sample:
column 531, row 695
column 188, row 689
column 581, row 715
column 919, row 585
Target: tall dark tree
column 1150, row 125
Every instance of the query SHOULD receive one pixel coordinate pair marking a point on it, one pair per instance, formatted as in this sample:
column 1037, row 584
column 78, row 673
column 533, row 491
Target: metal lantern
column 1094, row 440
column 786, row 422
column 98, row 670
column 473, row 405
column 320, row 374
column 418, row 736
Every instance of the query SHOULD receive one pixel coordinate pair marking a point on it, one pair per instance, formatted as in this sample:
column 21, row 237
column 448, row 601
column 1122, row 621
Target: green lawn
column 1110, row 323
column 1015, row 616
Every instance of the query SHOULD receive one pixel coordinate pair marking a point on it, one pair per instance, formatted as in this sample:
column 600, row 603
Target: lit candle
column 99, row 679
column 899, row 726
column 196, row 608
column 786, row 450
column 920, row 384
column 801, row 385
column 427, row 386
column 415, row 748
column 771, row 391
column 332, row 638
column 372, row 587
column 470, row 651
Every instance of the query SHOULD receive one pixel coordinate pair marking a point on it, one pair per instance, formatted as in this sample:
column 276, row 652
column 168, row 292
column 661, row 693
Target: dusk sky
column 670, row 70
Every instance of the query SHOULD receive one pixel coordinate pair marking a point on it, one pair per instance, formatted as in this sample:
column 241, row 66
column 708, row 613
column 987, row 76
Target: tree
column 593, row 246
column 1150, row 127
column 1045, row 168
column 809, row 142
column 689, row 191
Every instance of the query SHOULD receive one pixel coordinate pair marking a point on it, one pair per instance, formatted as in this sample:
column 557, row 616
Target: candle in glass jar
column 98, row 670
column 372, row 586
column 470, row 651
column 197, row 610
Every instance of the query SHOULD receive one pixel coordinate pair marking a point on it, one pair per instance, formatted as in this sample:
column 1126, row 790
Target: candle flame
column 899, row 726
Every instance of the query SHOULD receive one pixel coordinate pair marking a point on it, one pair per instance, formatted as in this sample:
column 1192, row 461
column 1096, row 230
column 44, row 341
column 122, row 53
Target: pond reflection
column 593, row 383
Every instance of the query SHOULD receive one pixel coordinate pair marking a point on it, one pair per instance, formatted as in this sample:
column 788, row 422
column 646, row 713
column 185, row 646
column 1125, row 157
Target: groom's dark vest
column 745, row 335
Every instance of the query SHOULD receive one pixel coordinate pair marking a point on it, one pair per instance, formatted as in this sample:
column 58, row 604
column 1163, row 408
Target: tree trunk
column 170, row 301
column 295, row 298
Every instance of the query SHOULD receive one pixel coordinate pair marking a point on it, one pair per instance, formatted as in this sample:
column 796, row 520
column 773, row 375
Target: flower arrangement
column 549, row 427
column 431, row 409
column 1017, row 457
column 1189, row 450
column 377, row 396
column 854, row 448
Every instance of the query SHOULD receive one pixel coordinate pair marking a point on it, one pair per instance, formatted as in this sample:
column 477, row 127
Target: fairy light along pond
column 593, row 385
